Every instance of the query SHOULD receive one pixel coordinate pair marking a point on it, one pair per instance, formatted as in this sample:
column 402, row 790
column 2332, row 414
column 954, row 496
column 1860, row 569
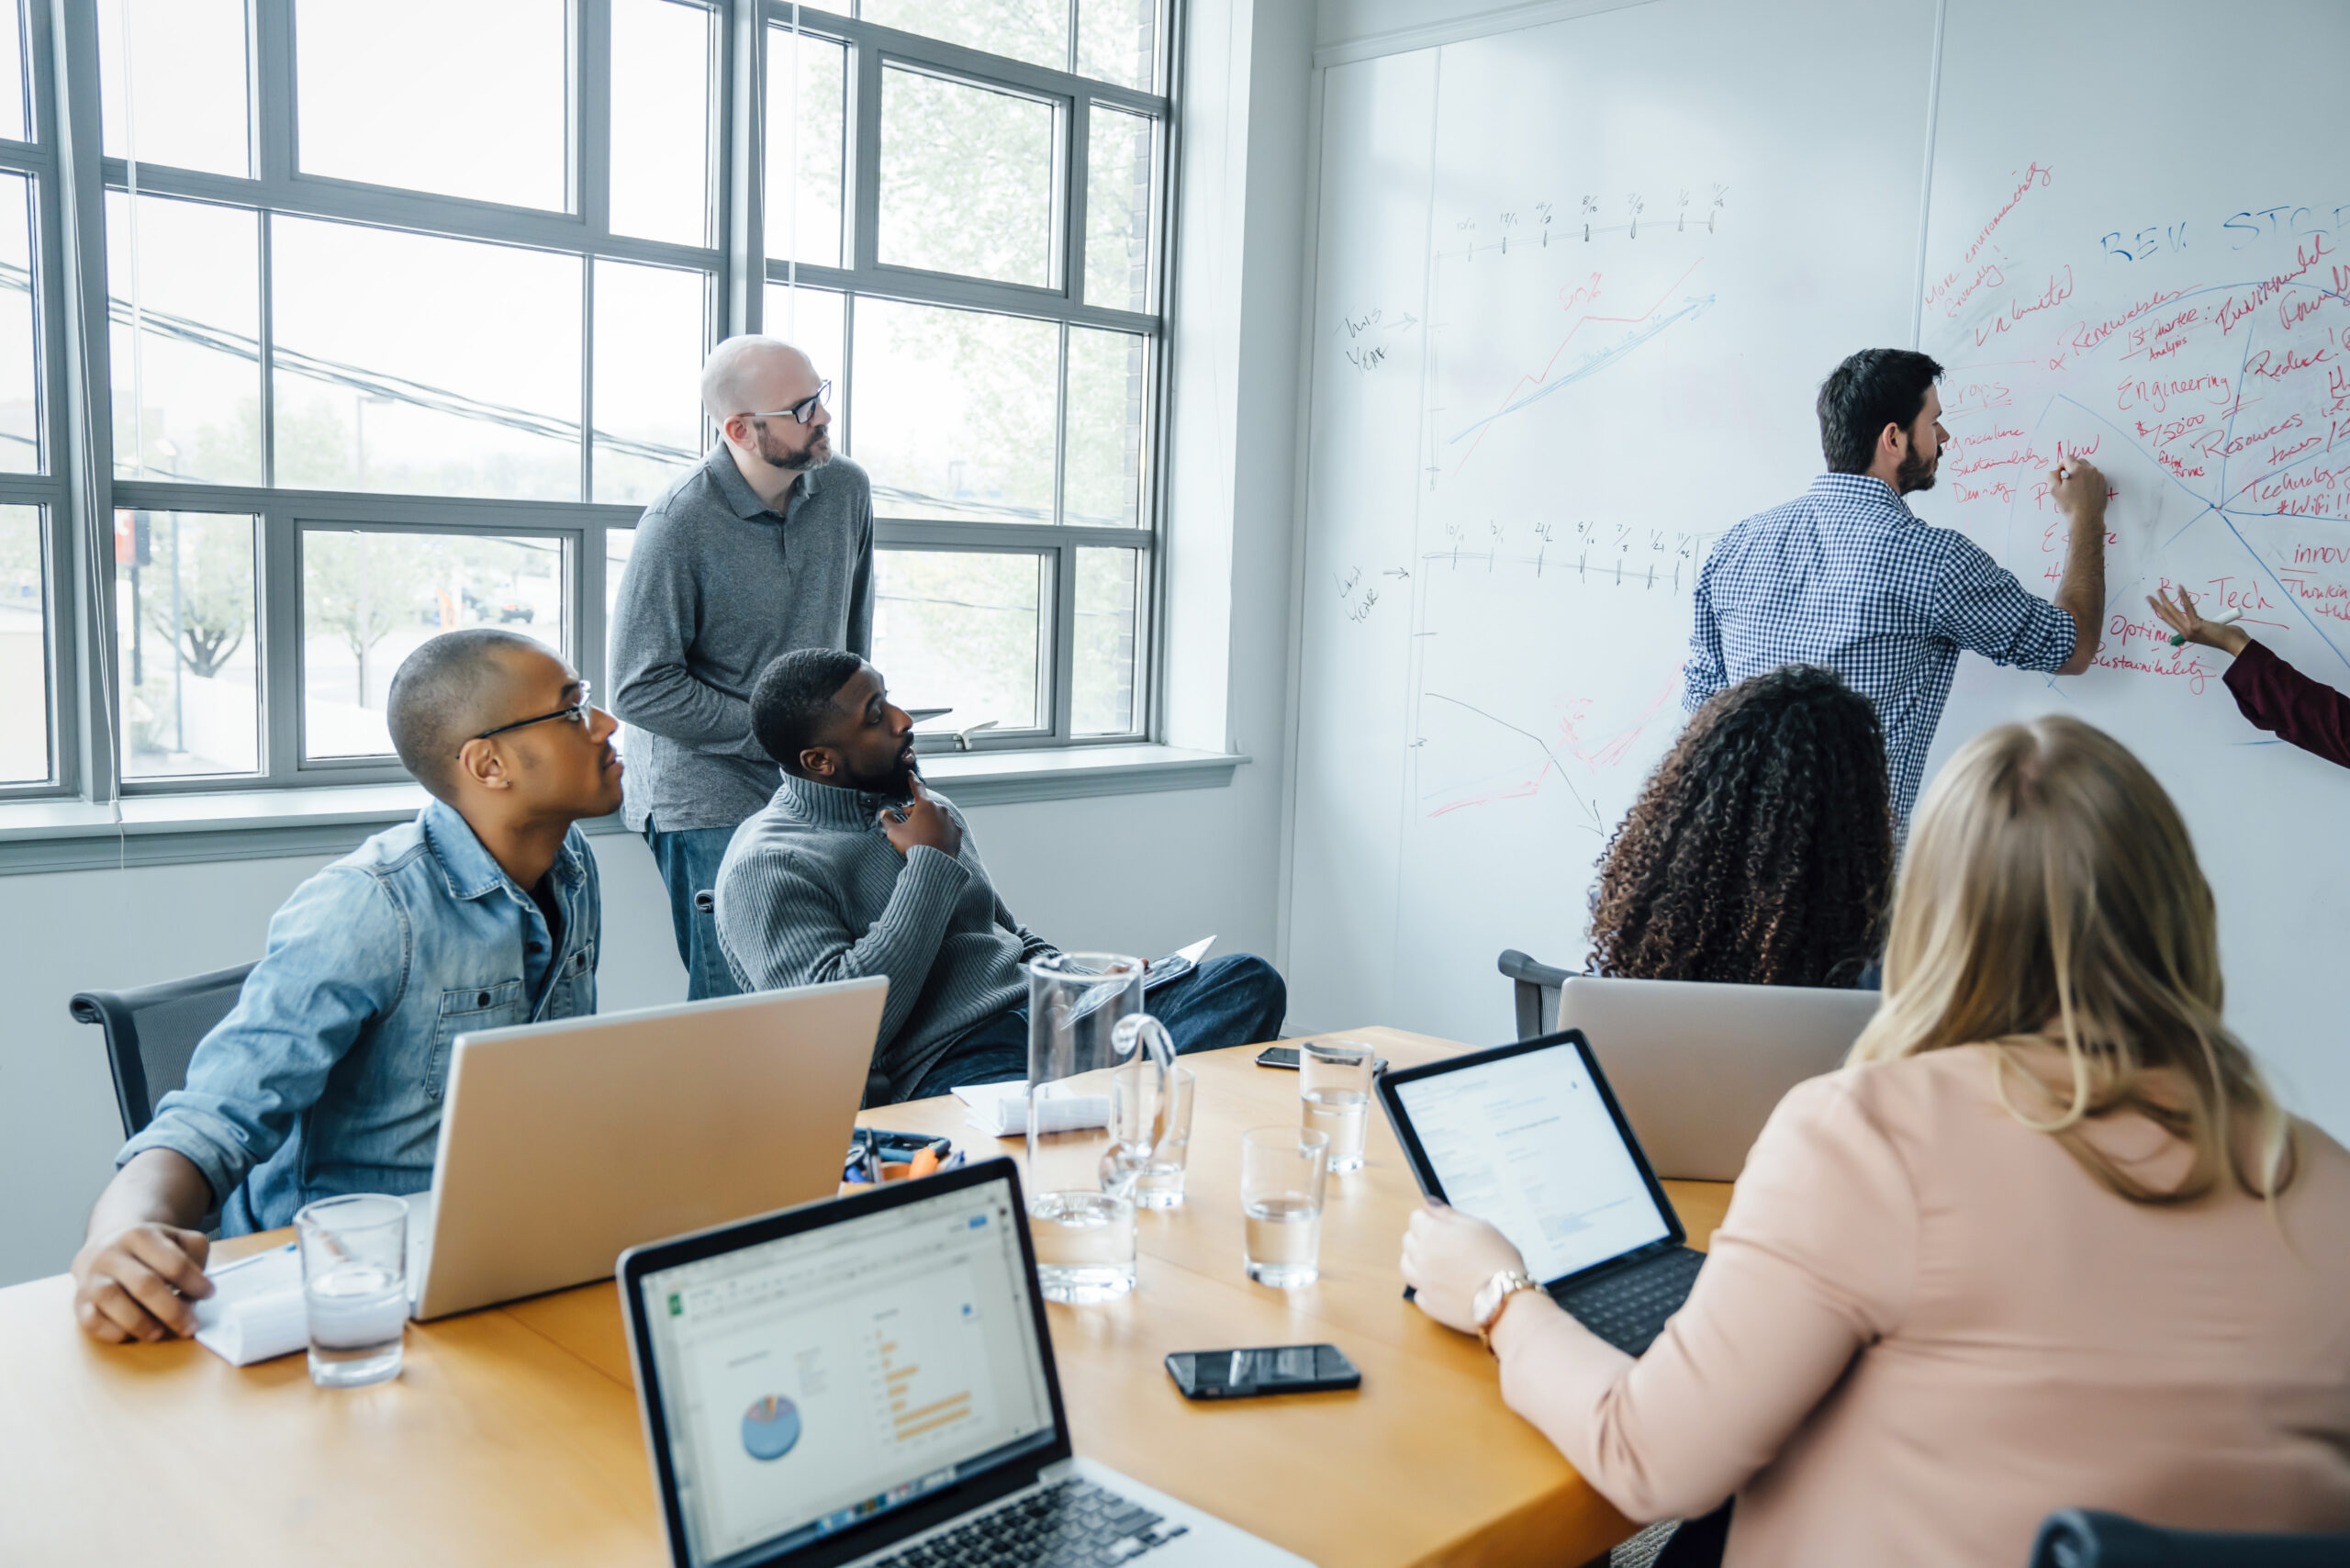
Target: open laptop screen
column 814, row 1381
column 1526, row 1142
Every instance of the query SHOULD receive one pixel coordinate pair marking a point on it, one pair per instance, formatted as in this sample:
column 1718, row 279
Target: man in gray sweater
column 766, row 547
column 855, row 867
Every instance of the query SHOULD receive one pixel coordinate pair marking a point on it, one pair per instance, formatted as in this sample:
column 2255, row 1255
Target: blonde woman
column 2046, row 1240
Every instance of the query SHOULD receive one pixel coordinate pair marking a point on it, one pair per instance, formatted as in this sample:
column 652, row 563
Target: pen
column 2230, row 619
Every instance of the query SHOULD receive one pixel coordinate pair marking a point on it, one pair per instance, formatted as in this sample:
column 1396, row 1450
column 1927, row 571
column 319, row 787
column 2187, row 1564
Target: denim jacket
column 326, row 1077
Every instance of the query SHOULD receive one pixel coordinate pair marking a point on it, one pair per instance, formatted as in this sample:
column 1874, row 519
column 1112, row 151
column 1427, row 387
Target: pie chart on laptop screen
column 770, row 1428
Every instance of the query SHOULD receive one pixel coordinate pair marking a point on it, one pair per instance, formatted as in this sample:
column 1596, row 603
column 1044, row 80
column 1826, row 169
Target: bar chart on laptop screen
column 926, row 1353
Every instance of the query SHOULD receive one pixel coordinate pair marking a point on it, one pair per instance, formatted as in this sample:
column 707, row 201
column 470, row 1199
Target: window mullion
column 1073, row 194
column 592, row 634
column 273, row 94
column 83, row 580
column 268, row 351
column 280, row 614
column 865, row 159
column 1064, row 695
column 587, row 378
column 592, row 120
column 740, row 112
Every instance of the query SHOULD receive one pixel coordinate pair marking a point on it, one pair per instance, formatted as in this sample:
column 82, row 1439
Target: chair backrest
column 2084, row 1537
column 153, row 1030
column 1538, row 993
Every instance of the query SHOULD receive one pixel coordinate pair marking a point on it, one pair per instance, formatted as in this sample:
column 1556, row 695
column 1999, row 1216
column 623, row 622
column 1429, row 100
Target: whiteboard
column 1575, row 288
column 2171, row 295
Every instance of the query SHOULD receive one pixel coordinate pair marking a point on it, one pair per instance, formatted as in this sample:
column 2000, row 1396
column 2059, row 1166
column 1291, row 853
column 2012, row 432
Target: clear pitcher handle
column 1122, row 1162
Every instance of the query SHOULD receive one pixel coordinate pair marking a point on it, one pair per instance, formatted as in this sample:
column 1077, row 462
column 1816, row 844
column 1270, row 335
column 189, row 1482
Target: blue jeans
column 1234, row 1000
column 688, row 861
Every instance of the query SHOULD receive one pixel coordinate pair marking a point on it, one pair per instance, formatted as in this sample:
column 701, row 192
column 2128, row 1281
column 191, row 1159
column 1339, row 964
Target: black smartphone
column 1286, row 1057
column 1271, row 1368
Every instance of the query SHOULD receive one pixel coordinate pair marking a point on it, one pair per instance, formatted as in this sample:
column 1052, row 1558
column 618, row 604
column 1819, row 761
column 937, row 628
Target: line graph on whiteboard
column 1545, row 597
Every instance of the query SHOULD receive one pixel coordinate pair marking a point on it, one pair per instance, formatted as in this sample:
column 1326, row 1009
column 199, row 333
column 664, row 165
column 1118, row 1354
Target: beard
column 815, row 455
column 1916, row 471
column 892, row 784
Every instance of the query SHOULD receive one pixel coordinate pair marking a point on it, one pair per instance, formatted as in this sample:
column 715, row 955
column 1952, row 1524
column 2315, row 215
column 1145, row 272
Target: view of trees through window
column 402, row 339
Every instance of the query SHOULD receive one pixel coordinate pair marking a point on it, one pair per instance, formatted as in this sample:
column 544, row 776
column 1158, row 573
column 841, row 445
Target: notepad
column 255, row 1312
column 1000, row 1110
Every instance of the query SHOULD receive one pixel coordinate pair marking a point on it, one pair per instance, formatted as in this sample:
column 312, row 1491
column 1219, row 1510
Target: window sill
column 176, row 830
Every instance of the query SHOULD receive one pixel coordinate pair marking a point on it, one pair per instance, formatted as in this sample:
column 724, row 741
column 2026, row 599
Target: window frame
column 65, row 549
column 79, row 492
column 873, row 49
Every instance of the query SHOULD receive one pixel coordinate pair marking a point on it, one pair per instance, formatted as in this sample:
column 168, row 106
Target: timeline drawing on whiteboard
column 1535, row 567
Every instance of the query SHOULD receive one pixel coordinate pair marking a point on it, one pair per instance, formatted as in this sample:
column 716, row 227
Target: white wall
column 1135, row 873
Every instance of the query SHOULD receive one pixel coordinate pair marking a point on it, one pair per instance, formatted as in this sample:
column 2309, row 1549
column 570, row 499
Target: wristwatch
column 1485, row 1306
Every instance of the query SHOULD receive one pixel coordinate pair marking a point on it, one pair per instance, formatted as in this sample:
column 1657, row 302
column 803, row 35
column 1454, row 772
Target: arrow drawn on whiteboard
column 1589, row 810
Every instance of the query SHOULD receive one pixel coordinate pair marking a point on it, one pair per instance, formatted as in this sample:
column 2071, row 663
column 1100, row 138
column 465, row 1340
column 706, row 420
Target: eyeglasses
column 578, row 713
column 804, row 410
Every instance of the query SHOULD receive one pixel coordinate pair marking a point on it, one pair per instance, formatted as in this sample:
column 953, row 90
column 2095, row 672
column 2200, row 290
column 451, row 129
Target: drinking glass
column 1334, row 1082
column 354, row 1285
column 1284, row 1171
column 1136, row 1121
column 1084, row 1014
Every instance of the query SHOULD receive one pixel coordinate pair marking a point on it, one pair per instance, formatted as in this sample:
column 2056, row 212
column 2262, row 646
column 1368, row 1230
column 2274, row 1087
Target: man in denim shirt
column 327, row 1076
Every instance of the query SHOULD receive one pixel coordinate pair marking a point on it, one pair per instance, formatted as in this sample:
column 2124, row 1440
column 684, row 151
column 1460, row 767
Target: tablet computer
column 1528, row 1137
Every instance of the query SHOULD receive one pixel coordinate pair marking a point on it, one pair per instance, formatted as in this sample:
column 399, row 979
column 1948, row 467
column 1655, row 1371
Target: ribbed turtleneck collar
column 830, row 805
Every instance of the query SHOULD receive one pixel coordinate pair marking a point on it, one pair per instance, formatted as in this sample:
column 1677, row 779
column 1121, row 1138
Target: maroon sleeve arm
column 2282, row 700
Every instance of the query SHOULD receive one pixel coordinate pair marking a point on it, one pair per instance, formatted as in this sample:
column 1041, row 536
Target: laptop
column 1527, row 1137
column 868, row 1381
column 1698, row 1067
column 562, row 1143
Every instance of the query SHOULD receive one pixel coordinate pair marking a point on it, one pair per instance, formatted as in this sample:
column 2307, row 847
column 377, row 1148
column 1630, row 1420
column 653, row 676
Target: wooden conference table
column 512, row 1436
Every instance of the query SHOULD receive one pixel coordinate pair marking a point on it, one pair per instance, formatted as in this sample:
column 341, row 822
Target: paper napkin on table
column 1000, row 1110
column 255, row 1311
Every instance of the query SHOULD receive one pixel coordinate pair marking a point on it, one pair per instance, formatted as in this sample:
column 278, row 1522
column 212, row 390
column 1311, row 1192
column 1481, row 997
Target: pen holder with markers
column 877, row 1156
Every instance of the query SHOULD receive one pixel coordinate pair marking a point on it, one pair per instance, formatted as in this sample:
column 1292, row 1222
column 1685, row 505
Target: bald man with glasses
column 766, row 547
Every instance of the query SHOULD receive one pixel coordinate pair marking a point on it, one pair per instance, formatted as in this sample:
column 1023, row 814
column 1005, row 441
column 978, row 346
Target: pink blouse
column 1924, row 1326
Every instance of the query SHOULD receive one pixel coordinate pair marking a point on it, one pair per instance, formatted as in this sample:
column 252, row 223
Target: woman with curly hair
column 1761, row 851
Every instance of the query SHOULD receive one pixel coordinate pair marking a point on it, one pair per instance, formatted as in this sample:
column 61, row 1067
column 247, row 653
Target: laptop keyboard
column 1073, row 1524
column 1628, row 1310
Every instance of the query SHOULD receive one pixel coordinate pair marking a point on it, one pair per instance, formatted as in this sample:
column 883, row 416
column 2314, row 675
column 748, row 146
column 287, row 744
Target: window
column 187, row 632
column 24, row 649
column 400, row 327
column 404, row 326
column 370, row 596
column 963, row 215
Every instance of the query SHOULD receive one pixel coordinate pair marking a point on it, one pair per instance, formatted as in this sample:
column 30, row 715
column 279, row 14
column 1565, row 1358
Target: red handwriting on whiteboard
column 2158, row 392
column 2059, row 289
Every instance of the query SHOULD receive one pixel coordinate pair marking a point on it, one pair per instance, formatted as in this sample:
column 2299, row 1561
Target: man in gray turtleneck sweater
column 856, row 869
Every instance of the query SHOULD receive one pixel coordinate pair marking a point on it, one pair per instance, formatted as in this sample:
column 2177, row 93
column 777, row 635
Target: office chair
column 2084, row 1537
column 1538, row 993
column 153, row 1030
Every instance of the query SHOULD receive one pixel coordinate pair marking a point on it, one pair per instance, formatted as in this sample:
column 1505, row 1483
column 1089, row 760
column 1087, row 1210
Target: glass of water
column 1334, row 1079
column 1161, row 1132
column 1085, row 1016
column 1284, row 1171
column 354, row 1285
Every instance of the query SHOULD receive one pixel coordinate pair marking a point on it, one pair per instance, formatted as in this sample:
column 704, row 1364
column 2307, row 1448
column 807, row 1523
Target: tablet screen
column 1525, row 1144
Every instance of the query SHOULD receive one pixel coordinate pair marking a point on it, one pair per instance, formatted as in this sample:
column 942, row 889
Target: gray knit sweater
column 813, row 890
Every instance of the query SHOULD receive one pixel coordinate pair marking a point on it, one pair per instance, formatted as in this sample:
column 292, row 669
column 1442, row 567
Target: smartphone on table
column 1286, row 1057
column 1270, row 1368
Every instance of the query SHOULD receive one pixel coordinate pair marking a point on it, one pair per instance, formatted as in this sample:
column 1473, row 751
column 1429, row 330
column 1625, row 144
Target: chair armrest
column 1519, row 967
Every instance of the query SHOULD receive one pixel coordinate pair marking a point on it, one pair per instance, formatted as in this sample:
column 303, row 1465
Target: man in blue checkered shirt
column 1848, row 576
